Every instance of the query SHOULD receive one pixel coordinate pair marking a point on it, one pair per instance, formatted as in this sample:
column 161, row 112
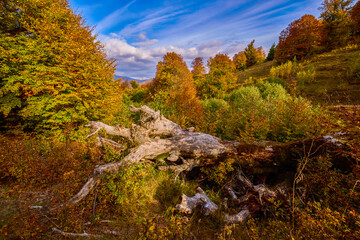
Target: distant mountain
column 124, row 78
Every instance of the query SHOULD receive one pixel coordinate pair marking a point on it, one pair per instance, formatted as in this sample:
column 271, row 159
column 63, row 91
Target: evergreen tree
column 271, row 54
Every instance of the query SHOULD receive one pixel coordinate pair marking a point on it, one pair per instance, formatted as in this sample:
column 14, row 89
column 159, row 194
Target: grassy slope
column 332, row 84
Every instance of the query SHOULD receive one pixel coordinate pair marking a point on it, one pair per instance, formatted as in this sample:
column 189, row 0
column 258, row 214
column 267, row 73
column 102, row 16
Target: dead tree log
column 188, row 204
column 155, row 135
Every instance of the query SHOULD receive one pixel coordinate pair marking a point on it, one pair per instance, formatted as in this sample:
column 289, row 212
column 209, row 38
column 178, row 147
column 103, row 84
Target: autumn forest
column 258, row 145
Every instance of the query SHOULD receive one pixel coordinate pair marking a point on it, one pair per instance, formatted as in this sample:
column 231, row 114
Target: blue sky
column 137, row 33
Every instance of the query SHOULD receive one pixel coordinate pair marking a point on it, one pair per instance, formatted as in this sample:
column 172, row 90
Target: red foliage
column 300, row 38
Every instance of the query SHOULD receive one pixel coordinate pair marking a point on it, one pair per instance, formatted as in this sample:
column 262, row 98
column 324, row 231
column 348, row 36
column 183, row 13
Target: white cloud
column 140, row 61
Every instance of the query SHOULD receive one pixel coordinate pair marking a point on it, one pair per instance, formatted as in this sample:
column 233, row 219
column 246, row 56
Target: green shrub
column 269, row 112
column 306, row 75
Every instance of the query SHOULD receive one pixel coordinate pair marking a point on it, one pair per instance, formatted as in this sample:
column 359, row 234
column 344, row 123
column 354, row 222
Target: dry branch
column 157, row 136
column 68, row 234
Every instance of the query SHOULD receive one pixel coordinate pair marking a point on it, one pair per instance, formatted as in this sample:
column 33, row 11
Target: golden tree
column 198, row 72
column 239, row 60
column 254, row 55
column 174, row 91
column 53, row 71
column 337, row 22
column 221, row 77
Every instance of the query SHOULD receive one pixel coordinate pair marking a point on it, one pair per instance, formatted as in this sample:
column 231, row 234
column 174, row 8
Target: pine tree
column 271, row 54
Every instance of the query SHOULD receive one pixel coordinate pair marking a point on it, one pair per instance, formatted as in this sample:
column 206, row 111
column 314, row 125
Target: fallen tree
column 155, row 136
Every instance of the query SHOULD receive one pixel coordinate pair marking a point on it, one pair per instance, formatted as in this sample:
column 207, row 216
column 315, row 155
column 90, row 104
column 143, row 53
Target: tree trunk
column 157, row 136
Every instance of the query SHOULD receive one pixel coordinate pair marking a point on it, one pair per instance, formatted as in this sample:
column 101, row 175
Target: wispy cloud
column 193, row 28
column 161, row 16
column 113, row 18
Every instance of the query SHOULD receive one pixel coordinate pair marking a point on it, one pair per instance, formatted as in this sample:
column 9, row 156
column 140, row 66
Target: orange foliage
column 240, row 61
column 174, row 85
column 300, row 38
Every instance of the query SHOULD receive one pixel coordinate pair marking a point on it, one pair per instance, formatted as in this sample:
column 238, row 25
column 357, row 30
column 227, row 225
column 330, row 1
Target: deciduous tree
column 221, row 77
column 337, row 22
column 198, row 72
column 239, row 60
column 53, row 70
column 355, row 16
column 300, row 38
column 174, row 90
column 254, row 55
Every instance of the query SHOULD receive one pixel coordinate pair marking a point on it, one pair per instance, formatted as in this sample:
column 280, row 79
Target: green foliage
column 239, row 60
column 221, row 77
column 53, row 71
column 293, row 74
column 269, row 112
column 254, row 55
column 306, row 76
column 271, row 54
column 215, row 111
column 173, row 91
column 337, row 22
column 220, row 172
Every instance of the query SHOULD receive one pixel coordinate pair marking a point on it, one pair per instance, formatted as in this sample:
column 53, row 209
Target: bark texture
column 156, row 136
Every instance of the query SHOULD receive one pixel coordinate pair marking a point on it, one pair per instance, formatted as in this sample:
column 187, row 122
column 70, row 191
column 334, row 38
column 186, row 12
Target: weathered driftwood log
column 240, row 217
column 155, row 135
column 188, row 204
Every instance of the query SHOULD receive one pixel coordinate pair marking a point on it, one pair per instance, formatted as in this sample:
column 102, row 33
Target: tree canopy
column 254, row 55
column 221, row 77
column 271, row 54
column 174, row 90
column 53, row 70
column 337, row 22
column 300, row 38
column 355, row 16
column 198, row 72
column 239, row 60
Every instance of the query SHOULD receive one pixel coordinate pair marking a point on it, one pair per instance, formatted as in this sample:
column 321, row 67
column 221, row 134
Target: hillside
column 332, row 84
